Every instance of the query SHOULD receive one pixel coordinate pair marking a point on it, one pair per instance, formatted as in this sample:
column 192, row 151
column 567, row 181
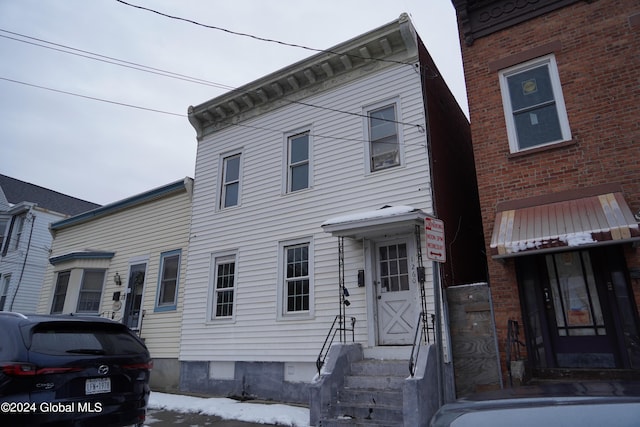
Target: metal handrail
column 422, row 330
column 513, row 345
column 331, row 336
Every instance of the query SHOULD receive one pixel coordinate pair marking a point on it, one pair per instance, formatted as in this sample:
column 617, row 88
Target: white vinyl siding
column 534, row 107
column 341, row 184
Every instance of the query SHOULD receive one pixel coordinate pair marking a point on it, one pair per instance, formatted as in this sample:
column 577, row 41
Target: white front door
column 395, row 293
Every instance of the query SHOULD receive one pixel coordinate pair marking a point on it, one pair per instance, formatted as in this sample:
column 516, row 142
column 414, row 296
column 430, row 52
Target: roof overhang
column 601, row 219
column 386, row 221
column 81, row 255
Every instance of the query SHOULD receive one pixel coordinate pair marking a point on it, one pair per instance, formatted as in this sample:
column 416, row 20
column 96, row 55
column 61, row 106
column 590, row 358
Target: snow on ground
column 261, row 413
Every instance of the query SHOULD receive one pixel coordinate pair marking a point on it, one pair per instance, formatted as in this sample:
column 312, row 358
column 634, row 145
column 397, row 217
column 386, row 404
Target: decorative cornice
column 479, row 18
column 388, row 45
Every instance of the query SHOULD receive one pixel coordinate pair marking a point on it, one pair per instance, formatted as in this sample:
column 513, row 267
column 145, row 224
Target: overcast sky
column 107, row 151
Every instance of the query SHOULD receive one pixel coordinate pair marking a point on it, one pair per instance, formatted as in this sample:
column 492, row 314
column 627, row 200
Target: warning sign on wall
column 434, row 231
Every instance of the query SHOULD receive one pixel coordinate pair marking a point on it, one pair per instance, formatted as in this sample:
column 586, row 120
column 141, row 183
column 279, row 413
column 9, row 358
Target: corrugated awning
column 583, row 222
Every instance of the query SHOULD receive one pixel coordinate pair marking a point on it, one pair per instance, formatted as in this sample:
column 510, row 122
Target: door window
column 575, row 299
column 394, row 271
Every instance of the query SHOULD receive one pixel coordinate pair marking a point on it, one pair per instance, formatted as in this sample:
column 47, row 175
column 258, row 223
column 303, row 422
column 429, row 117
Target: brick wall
column 597, row 49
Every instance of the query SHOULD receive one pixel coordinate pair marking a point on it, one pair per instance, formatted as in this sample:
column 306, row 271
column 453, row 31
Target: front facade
column 127, row 261
column 553, row 89
column 311, row 189
column 26, row 210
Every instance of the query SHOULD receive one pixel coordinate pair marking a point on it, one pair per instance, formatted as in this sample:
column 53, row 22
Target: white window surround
column 166, row 282
column 217, row 259
column 557, row 102
column 366, row 111
column 282, row 291
column 225, row 181
column 287, row 179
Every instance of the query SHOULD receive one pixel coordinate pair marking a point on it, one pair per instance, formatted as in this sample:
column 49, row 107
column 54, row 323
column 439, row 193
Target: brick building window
column 533, row 104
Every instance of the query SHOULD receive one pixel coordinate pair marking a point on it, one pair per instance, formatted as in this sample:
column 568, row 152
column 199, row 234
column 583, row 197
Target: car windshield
column 83, row 339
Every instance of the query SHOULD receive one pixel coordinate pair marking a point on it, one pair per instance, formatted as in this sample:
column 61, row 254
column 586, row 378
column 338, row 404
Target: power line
column 252, row 36
column 93, row 98
column 140, row 67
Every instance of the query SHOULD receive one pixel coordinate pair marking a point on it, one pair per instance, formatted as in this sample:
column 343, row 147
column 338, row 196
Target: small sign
column 434, row 231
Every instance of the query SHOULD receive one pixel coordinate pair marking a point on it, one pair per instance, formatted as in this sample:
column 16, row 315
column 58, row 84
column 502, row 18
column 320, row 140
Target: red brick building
column 553, row 90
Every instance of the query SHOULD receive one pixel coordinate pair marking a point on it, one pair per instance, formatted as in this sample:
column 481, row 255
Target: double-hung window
column 224, row 285
column 298, row 164
column 18, row 229
column 60, row 292
column 384, row 140
column 168, row 281
column 533, row 104
column 4, row 288
column 296, row 278
column 90, row 292
column 230, row 181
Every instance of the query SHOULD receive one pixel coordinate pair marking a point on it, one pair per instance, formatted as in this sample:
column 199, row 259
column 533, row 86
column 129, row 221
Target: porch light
column 117, row 280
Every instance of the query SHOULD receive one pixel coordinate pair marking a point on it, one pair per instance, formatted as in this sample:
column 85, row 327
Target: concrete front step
column 372, row 396
column 374, row 367
column 366, row 412
column 346, row 421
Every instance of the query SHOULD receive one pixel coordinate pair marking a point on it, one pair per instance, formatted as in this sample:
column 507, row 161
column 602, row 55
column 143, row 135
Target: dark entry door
column 134, row 296
column 574, row 314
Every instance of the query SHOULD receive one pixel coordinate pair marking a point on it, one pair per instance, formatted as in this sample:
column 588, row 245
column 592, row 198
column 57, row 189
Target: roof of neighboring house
column 17, row 191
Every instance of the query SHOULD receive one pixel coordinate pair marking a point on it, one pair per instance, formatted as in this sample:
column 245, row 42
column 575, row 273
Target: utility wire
column 252, row 36
column 144, row 68
column 93, row 98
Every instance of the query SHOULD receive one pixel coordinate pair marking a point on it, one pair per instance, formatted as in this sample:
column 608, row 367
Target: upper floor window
column 168, row 281
column 533, row 104
column 90, row 292
column 384, row 141
column 60, row 292
column 298, row 162
column 230, row 181
column 3, row 229
column 17, row 230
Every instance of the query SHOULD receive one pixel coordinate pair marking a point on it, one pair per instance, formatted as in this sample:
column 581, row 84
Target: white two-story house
column 311, row 189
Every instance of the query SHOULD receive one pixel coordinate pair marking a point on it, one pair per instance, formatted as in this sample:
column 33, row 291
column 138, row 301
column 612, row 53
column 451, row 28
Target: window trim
column 282, row 289
column 168, row 306
column 217, row 259
column 104, row 277
column 56, row 293
column 5, row 287
column 287, row 176
column 556, row 85
column 367, row 111
column 221, row 179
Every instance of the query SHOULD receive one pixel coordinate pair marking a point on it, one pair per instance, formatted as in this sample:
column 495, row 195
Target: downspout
column 26, row 257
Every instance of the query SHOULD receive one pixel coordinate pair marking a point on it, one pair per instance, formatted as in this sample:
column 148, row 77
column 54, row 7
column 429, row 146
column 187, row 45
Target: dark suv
column 71, row 371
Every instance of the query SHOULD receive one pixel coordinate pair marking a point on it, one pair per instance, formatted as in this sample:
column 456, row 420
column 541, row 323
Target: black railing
column 339, row 325
column 424, row 334
column 514, row 346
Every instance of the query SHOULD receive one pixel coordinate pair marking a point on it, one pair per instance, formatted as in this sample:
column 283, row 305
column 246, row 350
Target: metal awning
column 583, row 222
column 388, row 220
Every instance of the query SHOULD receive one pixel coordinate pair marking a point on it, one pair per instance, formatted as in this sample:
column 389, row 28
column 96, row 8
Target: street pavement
column 162, row 418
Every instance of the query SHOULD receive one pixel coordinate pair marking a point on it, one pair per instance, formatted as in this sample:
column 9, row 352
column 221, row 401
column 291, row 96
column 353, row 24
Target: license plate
column 97, row 385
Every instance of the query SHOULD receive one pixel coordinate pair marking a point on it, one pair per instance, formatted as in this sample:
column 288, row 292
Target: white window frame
column 170, row 306
column 550, row 62
column 57, row 290
column 81, row 290
column 367, row 111
column 217, row 260
column 287, row 175
column 223, row 184
column 5, row 282
column 283, row 314
column 19, row 229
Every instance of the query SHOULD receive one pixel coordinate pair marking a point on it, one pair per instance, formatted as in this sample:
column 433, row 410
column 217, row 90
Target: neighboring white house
column 127, row 261
column 337, row 145
column 26, row 210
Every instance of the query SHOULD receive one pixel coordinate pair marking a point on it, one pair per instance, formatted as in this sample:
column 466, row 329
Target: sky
column 94, row 94
column 229, row 409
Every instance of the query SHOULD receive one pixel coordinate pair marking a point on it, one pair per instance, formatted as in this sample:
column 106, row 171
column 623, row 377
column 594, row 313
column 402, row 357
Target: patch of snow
column 377, row 213
column 261, row 413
